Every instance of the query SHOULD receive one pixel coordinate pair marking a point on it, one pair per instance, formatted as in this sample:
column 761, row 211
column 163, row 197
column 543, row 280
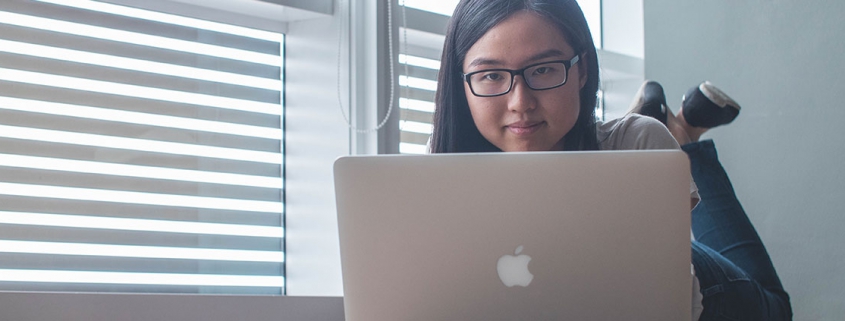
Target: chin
column 526, row 148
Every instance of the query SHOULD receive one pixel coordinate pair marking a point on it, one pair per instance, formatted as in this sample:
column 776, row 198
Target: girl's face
column 524, row 119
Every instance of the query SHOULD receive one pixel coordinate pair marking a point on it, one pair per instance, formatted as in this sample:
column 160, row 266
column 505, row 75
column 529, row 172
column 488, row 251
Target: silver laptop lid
column 448, row 237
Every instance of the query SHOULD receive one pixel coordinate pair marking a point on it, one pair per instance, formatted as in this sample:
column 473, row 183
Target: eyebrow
column 487, row 62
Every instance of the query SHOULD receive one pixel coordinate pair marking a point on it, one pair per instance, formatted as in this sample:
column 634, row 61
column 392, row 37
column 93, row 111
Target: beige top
column 637, row 132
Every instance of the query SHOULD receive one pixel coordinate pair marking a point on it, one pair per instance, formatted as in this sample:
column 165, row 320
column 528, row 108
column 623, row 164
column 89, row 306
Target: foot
column 676, row 126
column 706, row 106
column 692, row 132
column 650, row 101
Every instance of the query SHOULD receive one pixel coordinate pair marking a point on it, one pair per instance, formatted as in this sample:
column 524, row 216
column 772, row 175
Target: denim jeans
column 738, row 280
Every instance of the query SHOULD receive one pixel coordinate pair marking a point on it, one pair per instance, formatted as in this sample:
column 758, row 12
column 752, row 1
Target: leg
column 738, row 280
column 730, row 260
column 730, row 294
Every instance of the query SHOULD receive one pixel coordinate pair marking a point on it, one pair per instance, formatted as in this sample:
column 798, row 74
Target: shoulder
column 629, row 123
column 634, row 131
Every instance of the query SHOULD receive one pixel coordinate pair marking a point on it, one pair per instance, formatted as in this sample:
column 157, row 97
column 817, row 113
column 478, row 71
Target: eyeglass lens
column 537, row 77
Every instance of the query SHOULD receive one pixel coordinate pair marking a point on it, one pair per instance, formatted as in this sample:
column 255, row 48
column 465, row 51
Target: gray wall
column 782, row 60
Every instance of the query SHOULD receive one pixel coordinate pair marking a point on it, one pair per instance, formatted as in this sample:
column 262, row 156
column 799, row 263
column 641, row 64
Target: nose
column 521, row 98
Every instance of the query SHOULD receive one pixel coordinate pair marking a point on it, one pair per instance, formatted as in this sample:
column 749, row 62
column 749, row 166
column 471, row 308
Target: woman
column 522, row 75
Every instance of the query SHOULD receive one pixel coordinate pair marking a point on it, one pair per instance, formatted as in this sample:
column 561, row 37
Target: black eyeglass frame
column 513, row 72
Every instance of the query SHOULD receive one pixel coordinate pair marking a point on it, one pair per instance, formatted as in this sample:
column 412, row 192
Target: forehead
column 514, row 42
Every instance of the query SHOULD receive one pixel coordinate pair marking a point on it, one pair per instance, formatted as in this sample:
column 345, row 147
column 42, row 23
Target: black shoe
column 706, row 106
column 650, row 101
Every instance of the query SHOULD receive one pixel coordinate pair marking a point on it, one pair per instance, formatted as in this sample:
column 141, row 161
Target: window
column 139, row 151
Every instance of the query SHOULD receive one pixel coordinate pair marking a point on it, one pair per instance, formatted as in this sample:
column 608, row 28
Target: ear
column 582, row 70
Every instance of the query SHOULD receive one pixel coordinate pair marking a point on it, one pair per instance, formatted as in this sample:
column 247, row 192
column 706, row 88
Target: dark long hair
column 454, row 129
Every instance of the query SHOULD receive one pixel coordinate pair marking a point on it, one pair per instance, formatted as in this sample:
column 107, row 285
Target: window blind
column 139, row 151
column 422, row 36
column 416, row 100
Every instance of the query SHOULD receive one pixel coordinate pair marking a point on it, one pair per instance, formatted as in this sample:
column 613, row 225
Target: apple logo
column 513, row 269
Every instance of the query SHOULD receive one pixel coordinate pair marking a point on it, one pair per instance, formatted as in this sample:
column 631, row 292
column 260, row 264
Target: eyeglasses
column 541, row 76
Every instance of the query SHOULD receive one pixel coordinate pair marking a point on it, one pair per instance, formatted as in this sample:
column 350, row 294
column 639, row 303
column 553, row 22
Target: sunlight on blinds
column 419, row 62
column 416, row 102
column 444, row 7
column 136, row 38
column 139, row 151
column 138, row 224
column 161, row 279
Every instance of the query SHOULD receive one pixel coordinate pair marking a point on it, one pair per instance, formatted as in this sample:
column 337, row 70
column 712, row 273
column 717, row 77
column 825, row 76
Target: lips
column 524, row 128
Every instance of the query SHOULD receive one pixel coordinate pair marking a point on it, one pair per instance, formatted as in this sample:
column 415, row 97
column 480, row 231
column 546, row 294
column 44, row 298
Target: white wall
column 622, row 27
column 621, row 56
column 621, row 77
column 315, row 136
column 782, row 60
column 317, row 132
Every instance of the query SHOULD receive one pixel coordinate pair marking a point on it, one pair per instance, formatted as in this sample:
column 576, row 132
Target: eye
column 493, row 76
column 543, row 70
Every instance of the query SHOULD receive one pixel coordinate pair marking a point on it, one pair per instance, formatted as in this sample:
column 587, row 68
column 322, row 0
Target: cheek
column 570, row 102
column 468, row 95
column 480, row 109
column 480, row 115
column 564, row 109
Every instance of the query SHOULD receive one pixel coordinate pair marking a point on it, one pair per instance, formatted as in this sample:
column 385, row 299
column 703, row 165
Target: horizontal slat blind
column 416, row 101
column 139, row 151
column 422, row 38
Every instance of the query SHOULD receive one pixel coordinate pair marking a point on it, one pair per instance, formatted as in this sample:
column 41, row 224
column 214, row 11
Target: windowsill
column 32, row 306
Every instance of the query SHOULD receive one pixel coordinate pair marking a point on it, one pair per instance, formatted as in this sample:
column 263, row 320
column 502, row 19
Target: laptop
column 515, row 236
